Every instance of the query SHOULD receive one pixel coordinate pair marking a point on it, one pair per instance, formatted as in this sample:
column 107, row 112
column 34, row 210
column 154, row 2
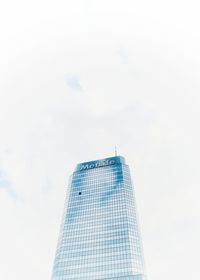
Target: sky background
column 77, row 78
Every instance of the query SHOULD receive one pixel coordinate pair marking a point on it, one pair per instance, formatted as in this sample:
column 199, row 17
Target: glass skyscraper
column 99, row 236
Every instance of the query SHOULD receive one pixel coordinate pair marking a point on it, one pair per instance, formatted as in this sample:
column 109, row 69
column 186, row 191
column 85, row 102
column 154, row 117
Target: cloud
column 73, row 82
column 123, row 54
column 6, row 185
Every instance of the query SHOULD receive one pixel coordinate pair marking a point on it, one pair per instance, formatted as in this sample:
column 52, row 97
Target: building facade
column 99, row 236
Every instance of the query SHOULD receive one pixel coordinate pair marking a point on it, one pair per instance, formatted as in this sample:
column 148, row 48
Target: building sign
column 102, row 163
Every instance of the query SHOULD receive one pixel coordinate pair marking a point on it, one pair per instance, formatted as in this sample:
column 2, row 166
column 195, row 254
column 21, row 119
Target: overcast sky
column 77, row 78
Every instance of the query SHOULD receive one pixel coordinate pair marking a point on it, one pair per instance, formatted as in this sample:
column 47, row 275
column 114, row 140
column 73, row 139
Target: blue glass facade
column 99, row 236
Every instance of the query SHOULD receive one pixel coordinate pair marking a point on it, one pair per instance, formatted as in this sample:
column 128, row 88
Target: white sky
column 77, row 78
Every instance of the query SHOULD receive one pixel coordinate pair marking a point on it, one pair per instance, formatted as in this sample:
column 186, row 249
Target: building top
column 100, row 163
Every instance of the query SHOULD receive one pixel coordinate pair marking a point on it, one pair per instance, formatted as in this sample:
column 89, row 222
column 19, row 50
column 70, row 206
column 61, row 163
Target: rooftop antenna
column 115, row 150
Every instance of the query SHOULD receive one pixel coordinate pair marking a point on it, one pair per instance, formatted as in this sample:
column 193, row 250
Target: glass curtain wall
column 99, row 236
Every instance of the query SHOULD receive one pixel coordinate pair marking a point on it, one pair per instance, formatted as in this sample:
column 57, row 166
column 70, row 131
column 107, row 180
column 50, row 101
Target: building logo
column 97, row 164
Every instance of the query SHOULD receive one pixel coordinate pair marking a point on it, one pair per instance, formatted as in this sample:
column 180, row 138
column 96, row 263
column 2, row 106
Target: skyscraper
column 99, row 236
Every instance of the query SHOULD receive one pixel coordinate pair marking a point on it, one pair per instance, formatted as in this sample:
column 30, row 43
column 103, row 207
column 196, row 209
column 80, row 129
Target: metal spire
column 115, row 150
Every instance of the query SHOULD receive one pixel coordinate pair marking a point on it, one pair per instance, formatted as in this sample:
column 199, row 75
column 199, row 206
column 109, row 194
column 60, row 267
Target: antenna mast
column 115, row 150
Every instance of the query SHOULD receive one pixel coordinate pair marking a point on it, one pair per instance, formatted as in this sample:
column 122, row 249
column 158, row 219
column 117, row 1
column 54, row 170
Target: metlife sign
column 97, row 164
column 84, row 166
